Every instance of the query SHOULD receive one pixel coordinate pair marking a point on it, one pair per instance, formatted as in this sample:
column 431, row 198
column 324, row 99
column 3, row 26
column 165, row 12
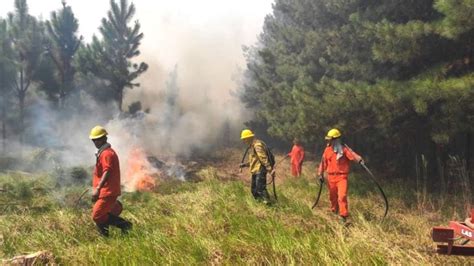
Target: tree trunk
column 440, row 167
column 21, row 102
column 62, row 89
column 62, row 99
column 120, row 98
column 4, row 129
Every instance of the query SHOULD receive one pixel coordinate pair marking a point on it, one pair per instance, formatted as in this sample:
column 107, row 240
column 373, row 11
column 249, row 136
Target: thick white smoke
column 193, row 54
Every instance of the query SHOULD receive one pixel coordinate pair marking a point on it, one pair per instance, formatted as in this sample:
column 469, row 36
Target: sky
column 204, row 38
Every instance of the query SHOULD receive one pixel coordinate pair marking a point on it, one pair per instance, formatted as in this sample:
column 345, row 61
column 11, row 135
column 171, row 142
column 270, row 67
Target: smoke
column 194, row 54
column 193, row 63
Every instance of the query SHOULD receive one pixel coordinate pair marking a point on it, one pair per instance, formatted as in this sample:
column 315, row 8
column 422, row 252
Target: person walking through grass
column 336, row 163
column 106, row 185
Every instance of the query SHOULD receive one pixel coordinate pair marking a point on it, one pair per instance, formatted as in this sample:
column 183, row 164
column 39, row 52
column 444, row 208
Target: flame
column 139, row 172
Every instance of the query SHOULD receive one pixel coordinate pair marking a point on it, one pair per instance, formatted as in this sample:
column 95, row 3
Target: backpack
column 270, row 156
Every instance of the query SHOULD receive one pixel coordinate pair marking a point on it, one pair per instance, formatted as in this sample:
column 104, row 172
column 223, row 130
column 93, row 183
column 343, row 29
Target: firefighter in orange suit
column 296, row 156
column 106, row 185
column 336, row 163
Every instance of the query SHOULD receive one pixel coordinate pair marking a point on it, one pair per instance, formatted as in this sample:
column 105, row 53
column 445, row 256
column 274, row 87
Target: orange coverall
column 337, row 173
column 107, row 202
column 296, row 157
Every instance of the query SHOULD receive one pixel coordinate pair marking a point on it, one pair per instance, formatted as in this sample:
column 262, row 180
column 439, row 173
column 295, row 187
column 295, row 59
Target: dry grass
column 217, row 222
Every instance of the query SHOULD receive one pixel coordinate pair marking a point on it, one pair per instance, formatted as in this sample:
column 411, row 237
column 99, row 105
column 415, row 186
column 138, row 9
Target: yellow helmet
column 246, row 133
column 97, row 132
column 333, row 134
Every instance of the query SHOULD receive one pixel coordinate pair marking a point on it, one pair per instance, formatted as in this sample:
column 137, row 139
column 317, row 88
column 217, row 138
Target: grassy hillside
column 217, row 222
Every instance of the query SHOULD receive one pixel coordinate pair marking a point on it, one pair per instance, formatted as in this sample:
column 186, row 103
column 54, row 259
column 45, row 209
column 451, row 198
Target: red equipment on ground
column 457, row 231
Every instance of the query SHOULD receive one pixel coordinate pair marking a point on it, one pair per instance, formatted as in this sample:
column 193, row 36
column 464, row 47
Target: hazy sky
column 203, row 37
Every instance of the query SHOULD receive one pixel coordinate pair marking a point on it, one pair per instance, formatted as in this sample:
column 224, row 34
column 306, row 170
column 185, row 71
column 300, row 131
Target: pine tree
column 111, row 57
column 62, row 30
column 386, row 72
column 26, row 34
column 7, row 73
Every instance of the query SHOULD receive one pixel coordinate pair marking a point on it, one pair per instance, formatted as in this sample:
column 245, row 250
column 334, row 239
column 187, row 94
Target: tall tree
column 397, row 75
column 26, row 34
column 7, row 73
column 111, row 57
column 63, row 32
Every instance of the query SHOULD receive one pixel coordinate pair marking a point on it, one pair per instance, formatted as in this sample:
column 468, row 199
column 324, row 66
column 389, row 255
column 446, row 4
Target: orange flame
column 138, row 172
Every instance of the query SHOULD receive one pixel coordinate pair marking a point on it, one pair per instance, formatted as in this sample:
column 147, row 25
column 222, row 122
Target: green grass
column 215, row 222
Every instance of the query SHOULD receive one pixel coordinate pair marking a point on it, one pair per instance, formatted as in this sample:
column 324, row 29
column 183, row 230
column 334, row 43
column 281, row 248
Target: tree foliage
column 110, row 58
column 47, row 60
column 7, row 73
column 27, row 38
column 63, row 32
column 395, row 76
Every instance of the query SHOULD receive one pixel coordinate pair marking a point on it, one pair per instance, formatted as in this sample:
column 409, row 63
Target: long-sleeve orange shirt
column 107, row 161
column 337, row 168
column 296, row 154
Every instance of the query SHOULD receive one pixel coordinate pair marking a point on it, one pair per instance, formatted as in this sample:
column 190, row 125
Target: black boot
column 103, row 229
column 119, row 222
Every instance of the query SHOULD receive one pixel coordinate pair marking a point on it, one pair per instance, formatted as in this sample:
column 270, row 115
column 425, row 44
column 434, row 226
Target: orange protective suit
column 107, row 162
column 296, row 158
column 472, row 215
column 107, row 202
column 105, row 206
column 337, row 173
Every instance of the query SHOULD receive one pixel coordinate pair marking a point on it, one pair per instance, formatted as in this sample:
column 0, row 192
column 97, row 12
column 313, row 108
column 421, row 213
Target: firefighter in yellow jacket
column 259, row 165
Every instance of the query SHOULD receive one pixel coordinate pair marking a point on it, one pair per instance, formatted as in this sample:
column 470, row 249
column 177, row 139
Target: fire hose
column 378, row 186
column 274, row 167
column 273, row 177
column 372, row 176
column 80, row 197
column 243, row 158
column 321, row 182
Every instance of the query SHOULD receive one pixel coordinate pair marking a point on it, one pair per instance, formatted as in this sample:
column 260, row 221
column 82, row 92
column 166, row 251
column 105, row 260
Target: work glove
column 321, row 178
column 272, row 173
column 361, row 162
